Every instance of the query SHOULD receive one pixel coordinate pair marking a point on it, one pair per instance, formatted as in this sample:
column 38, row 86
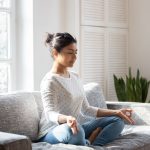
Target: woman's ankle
column 94, row 134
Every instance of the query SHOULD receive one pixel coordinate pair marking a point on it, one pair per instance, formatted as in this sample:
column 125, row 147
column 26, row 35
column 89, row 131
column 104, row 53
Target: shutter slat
column 118, row 13
column 93, row 12
column 117, row 59
column 93, row 55
column 104, row 49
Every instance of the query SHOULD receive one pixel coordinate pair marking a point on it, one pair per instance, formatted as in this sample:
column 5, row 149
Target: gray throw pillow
column 95, row 95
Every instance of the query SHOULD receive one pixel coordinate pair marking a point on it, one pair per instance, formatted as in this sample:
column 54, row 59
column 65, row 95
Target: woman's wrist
column 107, row 112
column 62, row 119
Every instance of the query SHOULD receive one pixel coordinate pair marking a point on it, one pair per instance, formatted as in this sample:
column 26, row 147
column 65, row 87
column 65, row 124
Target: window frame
column 11, row 61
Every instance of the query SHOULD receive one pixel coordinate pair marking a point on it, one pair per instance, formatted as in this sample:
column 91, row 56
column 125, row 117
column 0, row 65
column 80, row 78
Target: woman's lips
column 71, row 62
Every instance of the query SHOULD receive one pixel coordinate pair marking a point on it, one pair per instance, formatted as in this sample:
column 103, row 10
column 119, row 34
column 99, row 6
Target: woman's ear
column 54, row 53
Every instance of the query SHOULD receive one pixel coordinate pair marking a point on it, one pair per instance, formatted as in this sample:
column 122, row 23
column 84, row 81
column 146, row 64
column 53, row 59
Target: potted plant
column 134, row 89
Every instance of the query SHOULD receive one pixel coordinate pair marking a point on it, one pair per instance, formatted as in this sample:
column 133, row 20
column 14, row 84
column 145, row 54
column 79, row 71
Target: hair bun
column 49, row 38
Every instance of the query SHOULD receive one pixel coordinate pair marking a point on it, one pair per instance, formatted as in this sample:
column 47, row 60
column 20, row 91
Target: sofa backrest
column 93, row 93
column 38, row 100
column 19, row 114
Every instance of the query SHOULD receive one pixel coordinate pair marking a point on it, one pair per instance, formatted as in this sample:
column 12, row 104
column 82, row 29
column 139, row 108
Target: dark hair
column 59, row 40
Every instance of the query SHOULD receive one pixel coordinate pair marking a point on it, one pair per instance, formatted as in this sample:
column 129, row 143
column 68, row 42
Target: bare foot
column 94, row 134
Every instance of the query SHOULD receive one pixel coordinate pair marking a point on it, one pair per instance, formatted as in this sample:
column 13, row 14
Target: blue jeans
column 111, row 129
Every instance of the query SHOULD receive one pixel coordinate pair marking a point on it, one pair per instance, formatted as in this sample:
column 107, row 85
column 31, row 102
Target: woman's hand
column 126, row 114
column 72, row 123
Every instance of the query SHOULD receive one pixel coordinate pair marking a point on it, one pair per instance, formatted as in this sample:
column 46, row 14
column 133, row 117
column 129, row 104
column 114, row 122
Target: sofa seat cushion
column 132, row 138
column 19, row 114
column 47, row 146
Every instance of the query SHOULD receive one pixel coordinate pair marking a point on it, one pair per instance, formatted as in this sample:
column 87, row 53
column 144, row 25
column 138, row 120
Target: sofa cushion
column 9, row 141
column 95, row 95
column 18, row 114
column 141, row 111
column 60, row 146
column 37, row 96
column 133, row 138
column 95, row 98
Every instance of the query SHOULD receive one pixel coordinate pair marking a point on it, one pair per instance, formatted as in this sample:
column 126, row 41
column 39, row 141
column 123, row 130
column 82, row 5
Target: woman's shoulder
column 48, row 79
column 74, row 73
column 49, row 76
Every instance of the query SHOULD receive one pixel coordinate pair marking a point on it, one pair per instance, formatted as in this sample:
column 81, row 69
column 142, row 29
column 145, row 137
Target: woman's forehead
column 72, row 47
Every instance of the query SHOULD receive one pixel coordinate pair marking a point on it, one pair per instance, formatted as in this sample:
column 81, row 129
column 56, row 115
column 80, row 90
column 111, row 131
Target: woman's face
column 67, row 56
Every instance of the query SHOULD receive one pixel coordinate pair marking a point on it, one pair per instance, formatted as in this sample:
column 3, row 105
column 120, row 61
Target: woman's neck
column 59, row 69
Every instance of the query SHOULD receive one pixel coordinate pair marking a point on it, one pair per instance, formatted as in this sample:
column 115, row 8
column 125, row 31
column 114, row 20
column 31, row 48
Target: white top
column 61, row 95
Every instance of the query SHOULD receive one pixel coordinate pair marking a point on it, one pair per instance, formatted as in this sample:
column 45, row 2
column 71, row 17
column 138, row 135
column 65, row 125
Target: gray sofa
column 20, row 115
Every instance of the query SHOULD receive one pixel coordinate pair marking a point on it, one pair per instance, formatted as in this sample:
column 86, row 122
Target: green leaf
column 133, row 88
column 120, row 88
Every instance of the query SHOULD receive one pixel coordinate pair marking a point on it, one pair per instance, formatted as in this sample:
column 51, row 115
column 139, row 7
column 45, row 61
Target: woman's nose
column 74, row 56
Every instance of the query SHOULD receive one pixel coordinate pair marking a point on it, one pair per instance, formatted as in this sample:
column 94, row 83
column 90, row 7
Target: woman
column 65, row 103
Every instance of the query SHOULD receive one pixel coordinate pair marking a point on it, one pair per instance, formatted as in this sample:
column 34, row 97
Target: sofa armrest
column 141, row 111
column 9, row 141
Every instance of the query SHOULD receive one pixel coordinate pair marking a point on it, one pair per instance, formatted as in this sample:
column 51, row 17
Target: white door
column 93, row 55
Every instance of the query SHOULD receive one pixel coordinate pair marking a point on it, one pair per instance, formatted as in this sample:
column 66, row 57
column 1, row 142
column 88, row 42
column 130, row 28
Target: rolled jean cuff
column 88, row 142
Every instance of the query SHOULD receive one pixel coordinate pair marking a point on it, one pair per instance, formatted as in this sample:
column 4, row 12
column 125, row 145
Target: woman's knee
column 119, row 122
column 111, row 131
column 62, row 133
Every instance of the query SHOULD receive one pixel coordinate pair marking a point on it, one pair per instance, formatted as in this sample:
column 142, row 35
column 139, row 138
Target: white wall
column 139, row 36
column 24, row 44
column 34, row 19
column 72, row 26
column 48, row 16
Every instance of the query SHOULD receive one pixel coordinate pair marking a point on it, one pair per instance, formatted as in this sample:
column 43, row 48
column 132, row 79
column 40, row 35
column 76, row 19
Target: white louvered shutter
column 93, row 54
column 117, row 13
column 93, row 12
column 117, row 51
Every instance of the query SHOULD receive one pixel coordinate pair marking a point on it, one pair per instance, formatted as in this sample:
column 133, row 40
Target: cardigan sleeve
column 49, row 99
column 87, row 109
